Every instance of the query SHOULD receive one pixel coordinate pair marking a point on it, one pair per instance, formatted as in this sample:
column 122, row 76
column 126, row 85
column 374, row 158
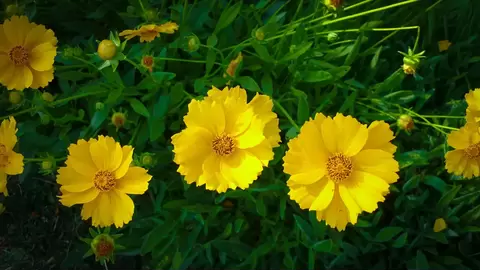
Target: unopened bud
column 99, row 106
column 332, row 36
column 15, row 97
column 259, row 34
column 119, row 119
column 48, row 97
column 47, row 165
column 405, row 122
column 107, row 49
column 150, row 15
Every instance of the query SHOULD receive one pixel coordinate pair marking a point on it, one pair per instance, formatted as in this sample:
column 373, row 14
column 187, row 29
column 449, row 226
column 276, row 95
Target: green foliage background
column 178, row 226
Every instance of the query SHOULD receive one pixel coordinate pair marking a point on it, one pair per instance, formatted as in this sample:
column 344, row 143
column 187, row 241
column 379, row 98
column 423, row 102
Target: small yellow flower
column 15, row 97
column 405, row 122
column 98, row 175
column 106, row 49
column 148, row 62
column 27, row 54
column 227, row 141
column 443, row 45
column 439, row 225
column 11, row 163
column 233, row 65
column 473, row 110
column 119, row 119
column 151, row 31
column 339, row 167
column 464, row 159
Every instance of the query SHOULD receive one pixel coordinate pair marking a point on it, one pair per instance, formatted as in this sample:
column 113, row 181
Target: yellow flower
column 473, row 110
column 339, row 167
column 443, row 45
column 150, row 31
column 227, row 141
column 106, row 49
column 439, row 225
column 98, row 175
column 11, row 163
column 27, row 53
column 233, row 65
column 464, row 160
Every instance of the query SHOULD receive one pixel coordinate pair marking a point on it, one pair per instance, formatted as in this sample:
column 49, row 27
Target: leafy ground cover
column 309, row 57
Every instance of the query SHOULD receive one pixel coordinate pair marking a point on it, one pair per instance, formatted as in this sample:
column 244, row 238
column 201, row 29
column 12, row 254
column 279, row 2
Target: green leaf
column 267, row 84
column 417, row 158
column 354, row 52
column 248, row 83
column 304, row 227
column 211, row 56
column 435, row 182
column 234, row 249
column 262, row 52
column 212, row 40
column 448, row 197
column 401, row 240
column 228, row 16
column 386, row 234
column 159, row 77
column 299, row 50
column 261, row 209
column 177, row 260
column 421, row 261
column 139, row 107
column 157, row 235
column 374, row 62
column 324, row 246
column 303, row 110
column 412, row 183
column 316, row 76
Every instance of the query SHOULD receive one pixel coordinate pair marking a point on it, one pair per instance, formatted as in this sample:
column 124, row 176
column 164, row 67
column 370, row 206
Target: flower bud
column 12, row 10
column 99, row 106
column 107, row 49
column 119, row 119
column 405, row 122
column 48, row 97
column 148, row 62
column 332, row 36
column 15, row 97
column 333, row 3
column 259, row 34
column 409, row 69
column 150, row 15
column 130, row 9
column 190, row 43
column 103, row 246
column 44, row 119
column 47, row 165
column 439, row 225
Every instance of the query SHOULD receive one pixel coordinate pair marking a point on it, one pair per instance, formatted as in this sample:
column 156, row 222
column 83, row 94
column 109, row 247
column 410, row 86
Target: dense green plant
column 305, row 55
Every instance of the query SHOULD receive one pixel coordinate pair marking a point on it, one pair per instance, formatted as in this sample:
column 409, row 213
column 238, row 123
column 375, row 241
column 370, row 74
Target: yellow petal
column 379, row 136
column 3, row 183
column 373, row 182
column 459, row 139
column 366, row 199
column 352, row 135
column 70, row 199
column 330, row 135
column 207, row 115
column 103, row 213
column 15, row 165
column 8, row 132
column 352, row 206
column 42, row 57
column 100, row 155
column 252, row 136
column 135, row 181
column 241, row 168
column 127, row 157
column 209, row 177
column 16, row 29
column 325, row 197
column 263, row 152
column 439, row 225
column 28, row 77
column 41, row 79
column 5, row 45
column 115, row 152
column 123, row 206
column 80, row 159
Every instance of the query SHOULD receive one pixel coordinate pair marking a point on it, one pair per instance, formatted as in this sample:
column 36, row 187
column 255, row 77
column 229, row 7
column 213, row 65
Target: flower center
column 18, row 55
column 223, row 145
column 3, row 156
column 104, row 180
column 104, row 248
column 148, row 61
column 339, row 167
column 473, row 151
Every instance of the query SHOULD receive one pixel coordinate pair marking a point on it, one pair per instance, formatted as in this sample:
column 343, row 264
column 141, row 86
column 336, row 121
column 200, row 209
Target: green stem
column 437, row 126
column 443, row 117
column 141, row 6
column 424, row 119
column 135, row 132
column 376, row 109
column 215, row 49
column 415, row 46
column 185, row 60
column 285, row 113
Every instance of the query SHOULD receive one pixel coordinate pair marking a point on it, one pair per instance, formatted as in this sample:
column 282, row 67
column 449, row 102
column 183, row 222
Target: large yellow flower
column 98, row 175
column 465, row 159
column 473, row 109
column 339, row 167
column 227, row 141
column 27, row 53
column 150, row 31
column 11, row 163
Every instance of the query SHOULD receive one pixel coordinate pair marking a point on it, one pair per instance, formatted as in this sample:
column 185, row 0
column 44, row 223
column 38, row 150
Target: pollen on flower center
column 3, row 156
column 18, row 55
column 223, row 145
column 473, row 151
column 104, row 180
column 339, row 167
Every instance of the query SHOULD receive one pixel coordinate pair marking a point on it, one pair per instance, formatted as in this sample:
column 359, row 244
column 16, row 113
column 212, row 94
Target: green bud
column 332, row 36
column 44, row 119
column 99, row 106
column 103, row 246
column 12, row 10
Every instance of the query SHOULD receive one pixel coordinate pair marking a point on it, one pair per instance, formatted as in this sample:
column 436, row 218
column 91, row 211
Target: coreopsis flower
column 439, row 225
column 473, row 110
column 99, row 175
column 338, row 167
column 464, row 159
column 106, row 49
column 233, row 65
column 148, row 62
column 11, row 163
column 27, row 53
column 443, row 45
column 227, row 141
column 150, row 31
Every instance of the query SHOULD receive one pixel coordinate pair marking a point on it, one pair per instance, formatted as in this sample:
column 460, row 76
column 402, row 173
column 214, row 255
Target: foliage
column 290, row 54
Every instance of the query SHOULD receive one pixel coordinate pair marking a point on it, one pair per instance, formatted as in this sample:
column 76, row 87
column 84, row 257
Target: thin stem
column 424, row 119
column 443, row 117
column 285, row 113
column 141, row 6
column 417, row 39
column 376, row 109
column 185, row 60
column 135, row 132
column 437, row 125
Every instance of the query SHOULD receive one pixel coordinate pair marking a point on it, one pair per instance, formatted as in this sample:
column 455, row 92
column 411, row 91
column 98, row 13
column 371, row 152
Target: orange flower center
column 18, row 55
column 3, row 156
column 473, row 151
column 104, row 180
column 339, row 167
column 148, row 61
column 104, row 248
column 223, row 145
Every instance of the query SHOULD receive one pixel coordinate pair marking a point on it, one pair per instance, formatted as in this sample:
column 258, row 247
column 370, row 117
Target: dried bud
column 15, row 97
column 405, row 122
column 233, row 65
column 333, row 3
column 107, row 49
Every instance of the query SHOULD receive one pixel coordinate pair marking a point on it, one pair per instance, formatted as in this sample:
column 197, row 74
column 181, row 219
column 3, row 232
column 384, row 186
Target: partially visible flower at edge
column 148, row 33
column 11, row 163
column 463, row 160
column 473, row 110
